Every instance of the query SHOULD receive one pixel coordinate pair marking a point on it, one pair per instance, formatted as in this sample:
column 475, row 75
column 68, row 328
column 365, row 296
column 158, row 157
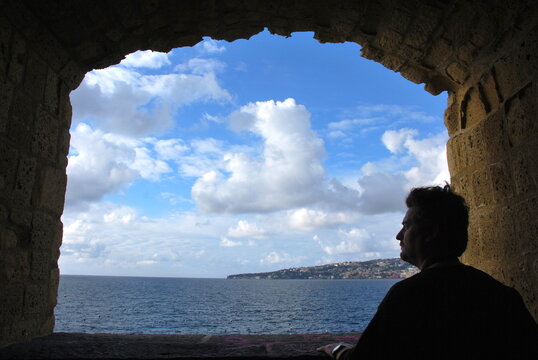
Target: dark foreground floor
column 118, row 346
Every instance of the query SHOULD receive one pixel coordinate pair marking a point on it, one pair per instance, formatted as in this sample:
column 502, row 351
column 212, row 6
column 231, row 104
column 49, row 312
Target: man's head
column 435, row 225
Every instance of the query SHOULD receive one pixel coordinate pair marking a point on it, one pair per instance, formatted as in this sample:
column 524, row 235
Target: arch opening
column 300, row 124
column 485, row 59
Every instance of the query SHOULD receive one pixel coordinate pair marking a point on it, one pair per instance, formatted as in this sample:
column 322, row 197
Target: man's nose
column 399, row 235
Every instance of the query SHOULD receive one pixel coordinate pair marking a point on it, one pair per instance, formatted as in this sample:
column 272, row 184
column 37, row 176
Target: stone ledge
column 63, row 346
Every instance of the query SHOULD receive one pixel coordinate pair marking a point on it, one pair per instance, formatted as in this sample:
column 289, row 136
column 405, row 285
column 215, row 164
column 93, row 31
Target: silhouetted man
column 448, row 310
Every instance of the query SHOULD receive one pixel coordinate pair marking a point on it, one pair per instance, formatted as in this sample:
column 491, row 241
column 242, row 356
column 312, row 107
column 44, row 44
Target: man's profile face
column 411, row 241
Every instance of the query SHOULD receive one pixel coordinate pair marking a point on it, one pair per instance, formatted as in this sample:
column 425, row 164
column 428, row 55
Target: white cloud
column 120, row 215
column 353, row 241
column 246, row 229
column 395, row 140
column 124, row 101
column 102, row 163
column 109, row 237
column 400, row 113
column 211, row 118
column 175, row 199
column 76, row 231
column 429, row 154
column 336, row 134
column 211, row 46
column 148, row 59
column 275, row 257
column 287, row 173
column 201, row 66
column 208, row 145
column 80, row 242
column 369, row 118
column 147, row 166
column 170, row 149
column 205, row 157
column 415, row 162
column 97, row 168
column 113, row 234
column 279, row 176
column 225, row 242
column 351, row 123
column 146, row 262
column 309, row 219
column 107, row 81
column 382, row 192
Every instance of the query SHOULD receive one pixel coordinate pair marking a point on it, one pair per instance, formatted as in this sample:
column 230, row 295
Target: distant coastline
column 372, row 269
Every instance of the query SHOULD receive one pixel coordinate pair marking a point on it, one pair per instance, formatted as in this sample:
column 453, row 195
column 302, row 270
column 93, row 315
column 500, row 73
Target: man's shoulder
column 459, row 276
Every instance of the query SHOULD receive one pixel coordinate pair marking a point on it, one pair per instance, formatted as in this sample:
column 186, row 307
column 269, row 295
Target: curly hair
column 440, row 210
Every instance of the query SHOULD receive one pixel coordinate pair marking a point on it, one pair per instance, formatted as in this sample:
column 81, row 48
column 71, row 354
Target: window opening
column 230, row 158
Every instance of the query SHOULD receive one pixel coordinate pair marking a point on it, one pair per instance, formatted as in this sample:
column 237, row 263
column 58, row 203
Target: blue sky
column 248, row 156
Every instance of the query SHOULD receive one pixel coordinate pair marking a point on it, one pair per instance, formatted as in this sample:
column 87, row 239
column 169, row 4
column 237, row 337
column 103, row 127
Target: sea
column 109, row 304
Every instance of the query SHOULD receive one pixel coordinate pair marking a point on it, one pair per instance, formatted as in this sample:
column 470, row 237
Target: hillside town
column 372, row 269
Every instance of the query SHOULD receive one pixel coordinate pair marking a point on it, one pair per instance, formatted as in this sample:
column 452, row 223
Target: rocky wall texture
column 482, row 52
column 34, row 141
column 493, row 153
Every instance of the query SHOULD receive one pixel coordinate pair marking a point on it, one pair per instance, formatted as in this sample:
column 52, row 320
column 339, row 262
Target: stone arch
column 481, row 52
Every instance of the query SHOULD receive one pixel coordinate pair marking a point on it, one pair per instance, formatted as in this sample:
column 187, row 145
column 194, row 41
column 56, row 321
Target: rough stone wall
column 35, row 115
column 493, row 160
column 482, row 52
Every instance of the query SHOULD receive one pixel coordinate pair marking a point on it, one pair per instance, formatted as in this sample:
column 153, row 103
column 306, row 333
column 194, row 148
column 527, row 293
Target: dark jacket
column 454, row 312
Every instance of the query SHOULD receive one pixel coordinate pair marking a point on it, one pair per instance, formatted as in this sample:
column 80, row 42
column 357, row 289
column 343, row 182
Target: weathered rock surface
column 64, row 346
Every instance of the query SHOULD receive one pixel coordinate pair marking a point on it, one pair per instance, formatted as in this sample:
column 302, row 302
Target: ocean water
column 101, row 304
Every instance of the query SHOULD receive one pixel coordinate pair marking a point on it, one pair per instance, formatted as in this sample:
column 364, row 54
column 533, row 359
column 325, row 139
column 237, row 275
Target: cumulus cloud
column 279, row 176
column 205, row 156
column 98, row 166
column 80, row 243
column 287, row 173
column 225, row 242
column 432, row 162
column 211, row 46
column 310, row 219
column 246, row 229
column 353, row 241
column 275, row 257
column 382, row 192
column 361, row 243
column 122, row 100
column 395, row 140
column 147, row 166
column 147, row 59
column 429, row 153
column 101, row 163
column 415, row 162
column 120, row 215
